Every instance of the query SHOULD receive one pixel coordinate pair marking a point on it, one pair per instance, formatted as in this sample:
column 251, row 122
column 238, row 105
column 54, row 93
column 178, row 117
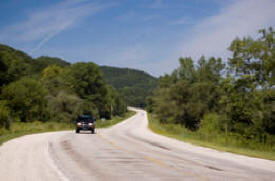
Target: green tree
column 249, row 93
column 65, row 107
column 39, row 64
column 53, row 78
column 189, row 92
column 149, row 104
column 255, row 58
column 118, row 105
column 186, row 70
column 88, row 82
column 13, row 65
column 26, row 99
column 4, row 115
column 211, row 124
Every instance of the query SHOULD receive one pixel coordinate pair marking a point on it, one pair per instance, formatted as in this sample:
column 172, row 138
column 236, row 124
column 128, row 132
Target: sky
column 149, row 35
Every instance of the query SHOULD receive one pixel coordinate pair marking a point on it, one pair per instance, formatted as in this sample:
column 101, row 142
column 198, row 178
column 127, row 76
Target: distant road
column 127, row 151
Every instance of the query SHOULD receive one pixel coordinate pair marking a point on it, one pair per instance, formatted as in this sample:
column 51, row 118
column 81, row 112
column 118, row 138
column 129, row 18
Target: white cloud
column 210, row 37
column 213, row 35
column 44, row 24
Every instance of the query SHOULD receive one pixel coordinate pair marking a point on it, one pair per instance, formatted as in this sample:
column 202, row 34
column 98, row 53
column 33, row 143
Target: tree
column 26, row 99
column 4, row 115
column 189, row 92
column 13, row 65
column 253, row 64
column 53, row 78
column 240, row 102
column 39, row 64
column 149, row 104
column 53, row 89
column 87, row 81
column 255, row 58
column 3, row 71
column 117, row 104
column 201, row 95
column 186, row 70
column 65, row 107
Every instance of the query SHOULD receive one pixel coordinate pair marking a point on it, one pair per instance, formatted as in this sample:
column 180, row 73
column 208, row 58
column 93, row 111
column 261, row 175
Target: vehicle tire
column 93, row 131
column 77, row 131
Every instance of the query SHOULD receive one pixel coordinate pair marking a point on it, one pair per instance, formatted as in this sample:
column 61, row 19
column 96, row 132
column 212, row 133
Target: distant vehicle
column 85, row 122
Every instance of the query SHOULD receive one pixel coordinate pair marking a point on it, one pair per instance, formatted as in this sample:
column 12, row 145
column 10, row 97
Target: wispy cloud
column 137, row 17
column 183, row 20
column 157, row 4
column 127, row 56
column 128, row 16
column 44, row 24
column 213, row 35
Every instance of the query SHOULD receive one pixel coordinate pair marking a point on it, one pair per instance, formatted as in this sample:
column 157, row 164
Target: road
column 126, row 151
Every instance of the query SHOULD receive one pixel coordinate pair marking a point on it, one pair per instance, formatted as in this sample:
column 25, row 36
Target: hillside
column 15, row 64
column 44, row 61
column 134, row 85
column 33, row 89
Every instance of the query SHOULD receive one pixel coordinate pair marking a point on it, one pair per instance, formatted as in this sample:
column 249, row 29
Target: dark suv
column 85, row 122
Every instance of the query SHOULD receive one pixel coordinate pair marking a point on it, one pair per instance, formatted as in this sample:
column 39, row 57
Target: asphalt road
column 127, row 151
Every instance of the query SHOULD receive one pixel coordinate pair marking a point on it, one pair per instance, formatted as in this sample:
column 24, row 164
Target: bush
column 26, row 99
column 4, row 115
column 210, row 123
column 64, row 107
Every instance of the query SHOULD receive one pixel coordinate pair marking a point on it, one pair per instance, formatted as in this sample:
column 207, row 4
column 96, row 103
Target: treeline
column 133, row 85
column 50, row 89
column 212, row 96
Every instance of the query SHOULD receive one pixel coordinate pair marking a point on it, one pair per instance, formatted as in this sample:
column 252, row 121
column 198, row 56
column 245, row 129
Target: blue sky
column 145, row 34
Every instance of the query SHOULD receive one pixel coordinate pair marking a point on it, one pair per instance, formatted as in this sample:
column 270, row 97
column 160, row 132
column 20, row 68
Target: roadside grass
column 114, row 120
column 19, row 129
column 228, row 143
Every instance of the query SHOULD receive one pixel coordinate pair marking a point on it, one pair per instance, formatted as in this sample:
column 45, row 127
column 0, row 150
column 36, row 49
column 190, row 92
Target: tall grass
column 20, row 129
column 231, row 142
column 114, row 120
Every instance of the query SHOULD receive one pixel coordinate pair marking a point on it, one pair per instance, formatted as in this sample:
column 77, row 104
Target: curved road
column 126, row 151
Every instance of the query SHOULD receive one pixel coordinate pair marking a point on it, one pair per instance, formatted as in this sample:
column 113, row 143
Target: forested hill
column 134, row 85
column 126, row 77
column 51, row 89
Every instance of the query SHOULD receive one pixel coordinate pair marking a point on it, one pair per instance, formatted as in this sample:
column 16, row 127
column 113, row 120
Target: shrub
column 4, row 115
column 26, row 99
column 210, row 123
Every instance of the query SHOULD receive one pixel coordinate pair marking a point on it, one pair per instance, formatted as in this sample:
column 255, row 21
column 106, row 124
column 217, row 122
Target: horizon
column 147, row 35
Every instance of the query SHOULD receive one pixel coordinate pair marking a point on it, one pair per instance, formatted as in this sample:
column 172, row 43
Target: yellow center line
column 159, row 162
column 154, row 160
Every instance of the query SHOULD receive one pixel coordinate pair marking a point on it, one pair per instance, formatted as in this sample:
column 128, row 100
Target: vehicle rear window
column 85, row 119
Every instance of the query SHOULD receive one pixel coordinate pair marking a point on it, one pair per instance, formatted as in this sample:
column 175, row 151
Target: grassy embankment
column 229, row 143
column 19, row 129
